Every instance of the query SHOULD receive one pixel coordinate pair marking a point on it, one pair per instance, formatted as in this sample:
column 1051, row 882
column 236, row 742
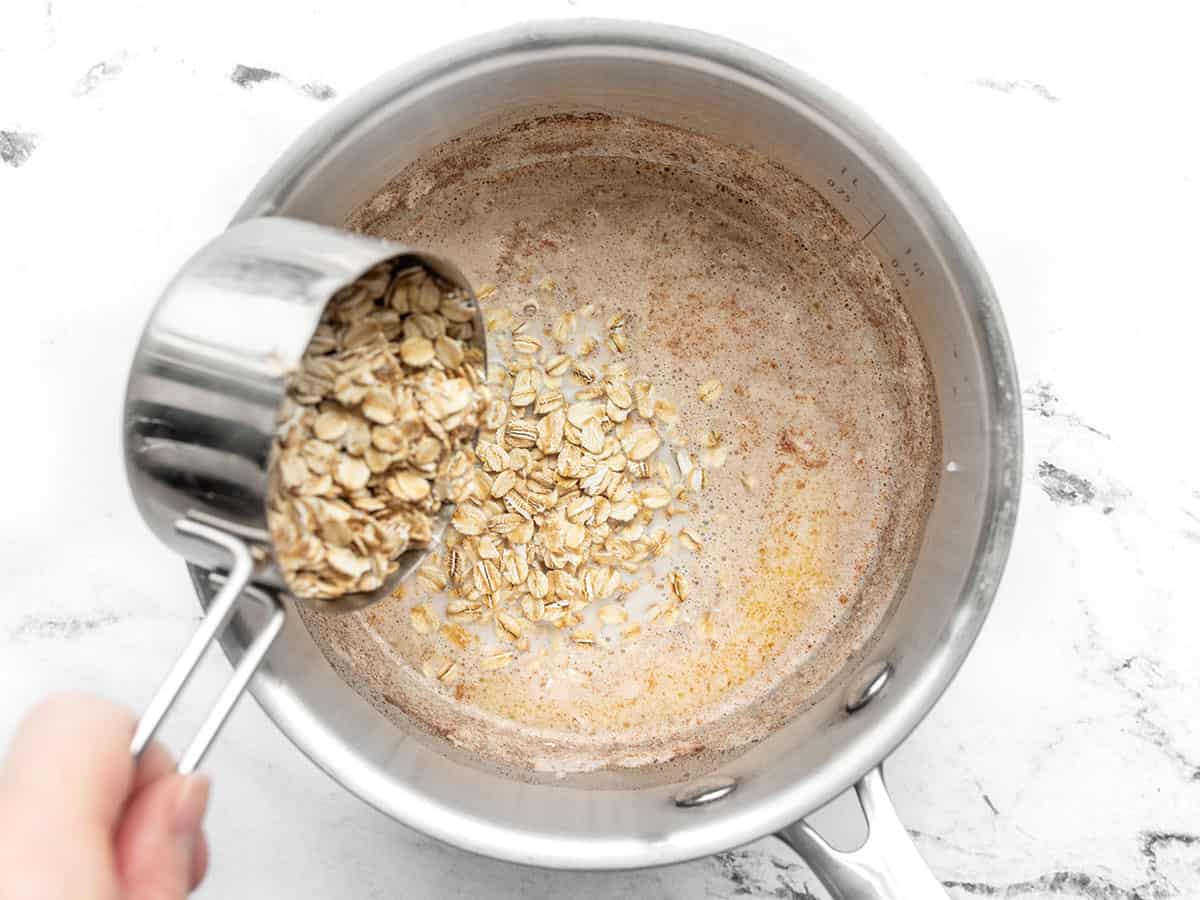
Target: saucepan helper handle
column 218, row 614
column 887, row 865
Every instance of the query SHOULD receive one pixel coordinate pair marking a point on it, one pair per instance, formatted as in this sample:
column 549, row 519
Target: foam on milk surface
column 827, row 404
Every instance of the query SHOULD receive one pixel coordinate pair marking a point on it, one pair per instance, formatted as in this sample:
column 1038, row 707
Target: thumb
column 160, row 846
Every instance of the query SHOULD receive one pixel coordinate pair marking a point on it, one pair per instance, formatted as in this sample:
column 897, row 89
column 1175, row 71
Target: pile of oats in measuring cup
column 376, row 433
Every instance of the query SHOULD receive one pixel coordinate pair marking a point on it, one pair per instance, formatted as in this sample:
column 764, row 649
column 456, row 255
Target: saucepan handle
column 887, row 865
column 218, row 614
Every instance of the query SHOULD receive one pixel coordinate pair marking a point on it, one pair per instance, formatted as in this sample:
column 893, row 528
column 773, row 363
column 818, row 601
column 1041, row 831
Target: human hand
column 80, row 819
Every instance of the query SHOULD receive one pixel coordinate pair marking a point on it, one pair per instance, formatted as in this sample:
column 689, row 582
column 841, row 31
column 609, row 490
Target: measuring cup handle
column 215, row 618
column 886, row 867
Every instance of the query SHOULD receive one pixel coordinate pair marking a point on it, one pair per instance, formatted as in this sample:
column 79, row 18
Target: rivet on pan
column 709, row 790
column 868, row 685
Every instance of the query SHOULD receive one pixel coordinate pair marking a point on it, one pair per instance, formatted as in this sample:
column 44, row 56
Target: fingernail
column 191, row 800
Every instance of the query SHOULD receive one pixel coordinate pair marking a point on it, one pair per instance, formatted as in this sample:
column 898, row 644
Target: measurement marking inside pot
column 871, row 230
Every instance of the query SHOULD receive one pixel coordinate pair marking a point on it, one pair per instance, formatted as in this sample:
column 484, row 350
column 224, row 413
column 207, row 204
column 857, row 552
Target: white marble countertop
column 1065, row 759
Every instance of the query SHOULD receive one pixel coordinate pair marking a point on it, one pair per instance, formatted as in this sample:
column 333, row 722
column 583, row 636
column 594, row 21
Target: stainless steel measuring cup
column 205, row 389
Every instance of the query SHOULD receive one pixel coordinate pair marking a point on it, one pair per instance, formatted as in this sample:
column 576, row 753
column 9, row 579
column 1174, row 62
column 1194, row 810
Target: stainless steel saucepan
column 741, row 97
